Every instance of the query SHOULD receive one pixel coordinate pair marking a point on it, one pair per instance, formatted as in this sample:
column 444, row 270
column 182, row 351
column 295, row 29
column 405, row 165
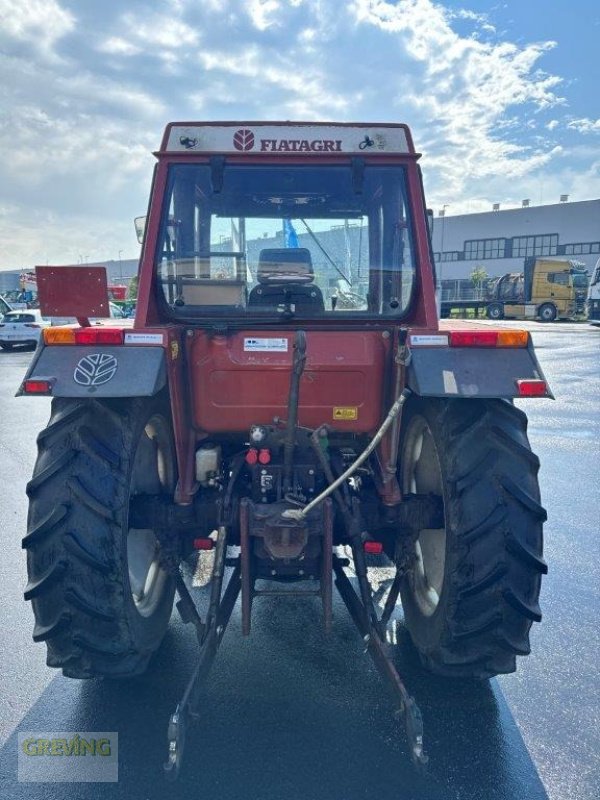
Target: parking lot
column 292, row 714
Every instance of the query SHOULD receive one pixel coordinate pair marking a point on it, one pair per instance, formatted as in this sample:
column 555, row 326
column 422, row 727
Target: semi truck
column 593, row 298
column 547, row 289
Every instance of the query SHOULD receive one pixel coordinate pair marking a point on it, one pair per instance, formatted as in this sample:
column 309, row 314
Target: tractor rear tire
column 100, row 594
column 472, row 593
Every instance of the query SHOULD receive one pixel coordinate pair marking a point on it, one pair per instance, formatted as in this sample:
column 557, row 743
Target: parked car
column 21, row 328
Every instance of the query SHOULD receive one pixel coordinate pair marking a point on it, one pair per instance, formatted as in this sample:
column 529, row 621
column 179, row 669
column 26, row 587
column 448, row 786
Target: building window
column 484, row 248
column 582, row 248
column 543, row 245
column 450, row 255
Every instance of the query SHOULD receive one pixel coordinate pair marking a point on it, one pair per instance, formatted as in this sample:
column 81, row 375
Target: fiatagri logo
column 244, row 140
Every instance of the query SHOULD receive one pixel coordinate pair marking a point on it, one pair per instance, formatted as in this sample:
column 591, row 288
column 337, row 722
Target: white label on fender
column 252, row 345
column 429, row 340
column 144, row 338
column 450, row 386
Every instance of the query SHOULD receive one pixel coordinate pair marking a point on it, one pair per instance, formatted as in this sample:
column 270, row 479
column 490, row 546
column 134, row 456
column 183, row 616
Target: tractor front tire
column 472, row 592
column 99, row 591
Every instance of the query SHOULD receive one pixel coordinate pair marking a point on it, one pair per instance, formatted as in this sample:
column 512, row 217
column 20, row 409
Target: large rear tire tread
column 77, row 567
column 494, row 563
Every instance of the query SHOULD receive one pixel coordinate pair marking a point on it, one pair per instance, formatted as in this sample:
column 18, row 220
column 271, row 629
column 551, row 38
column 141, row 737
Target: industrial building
column 498, row 241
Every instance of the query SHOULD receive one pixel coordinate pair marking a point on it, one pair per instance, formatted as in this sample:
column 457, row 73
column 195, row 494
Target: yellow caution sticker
column 345, row 412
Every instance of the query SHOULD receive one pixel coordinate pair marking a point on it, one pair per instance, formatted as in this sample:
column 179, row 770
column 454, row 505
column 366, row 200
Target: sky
column 502, row 99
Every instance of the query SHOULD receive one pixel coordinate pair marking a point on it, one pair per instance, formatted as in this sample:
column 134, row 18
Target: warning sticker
column 144, row 338
column 429, row 340
column 256, row 345
column 345, row 412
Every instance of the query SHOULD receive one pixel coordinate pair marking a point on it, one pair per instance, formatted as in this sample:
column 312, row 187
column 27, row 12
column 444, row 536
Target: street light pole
column 442, row 214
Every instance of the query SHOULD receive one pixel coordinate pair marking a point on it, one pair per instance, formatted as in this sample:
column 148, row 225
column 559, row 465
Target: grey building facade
column 499, row 241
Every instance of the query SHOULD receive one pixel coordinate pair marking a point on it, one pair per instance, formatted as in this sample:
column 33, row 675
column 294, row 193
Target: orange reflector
column 203, row 544
column 37, row 387
column 513, row 339
column 59, row 336
column 373, row 548
column 506, row 338
column 532, row 388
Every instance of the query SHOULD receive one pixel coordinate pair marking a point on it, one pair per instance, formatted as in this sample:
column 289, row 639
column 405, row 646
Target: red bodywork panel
column 72, row 291
column 234, row 386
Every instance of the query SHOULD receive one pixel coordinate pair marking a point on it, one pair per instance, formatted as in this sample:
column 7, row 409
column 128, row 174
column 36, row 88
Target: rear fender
column 99, row 371
column 484, row 372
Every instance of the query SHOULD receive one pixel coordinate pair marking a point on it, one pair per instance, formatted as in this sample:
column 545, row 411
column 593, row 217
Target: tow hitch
column 245, row 573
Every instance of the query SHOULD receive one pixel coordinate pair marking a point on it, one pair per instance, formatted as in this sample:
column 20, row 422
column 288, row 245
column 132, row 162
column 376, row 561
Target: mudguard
column 100, row 371
column 472, row 371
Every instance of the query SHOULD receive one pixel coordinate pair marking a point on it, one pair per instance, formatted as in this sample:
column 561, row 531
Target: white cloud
column 158, row 30
column 39, row 22
column 115, row 45
column 261, row 12
column 584, row 125
column 300, row 92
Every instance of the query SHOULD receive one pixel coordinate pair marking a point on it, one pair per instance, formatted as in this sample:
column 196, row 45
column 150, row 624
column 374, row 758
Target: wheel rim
column 152, row 473
column 422, row 475
column 547, row 314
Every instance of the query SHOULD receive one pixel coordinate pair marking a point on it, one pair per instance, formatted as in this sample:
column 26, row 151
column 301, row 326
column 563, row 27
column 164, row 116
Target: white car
column 21, row 327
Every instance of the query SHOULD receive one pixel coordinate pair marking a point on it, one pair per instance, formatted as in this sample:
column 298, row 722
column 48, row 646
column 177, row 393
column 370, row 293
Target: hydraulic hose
column 292, row 410
column 299, row 514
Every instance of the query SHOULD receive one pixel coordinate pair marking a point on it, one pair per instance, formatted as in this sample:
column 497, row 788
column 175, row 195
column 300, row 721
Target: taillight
column 89, row 336
column 99, row 335
column 506, row 338
column 37, row 387
column 204, row 544
column 373, row 548
column 529, row 387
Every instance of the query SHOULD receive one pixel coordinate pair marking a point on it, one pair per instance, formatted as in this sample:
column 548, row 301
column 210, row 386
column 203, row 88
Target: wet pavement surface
column 290, row 713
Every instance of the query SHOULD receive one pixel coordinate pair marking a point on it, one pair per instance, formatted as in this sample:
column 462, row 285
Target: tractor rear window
column 260, row 241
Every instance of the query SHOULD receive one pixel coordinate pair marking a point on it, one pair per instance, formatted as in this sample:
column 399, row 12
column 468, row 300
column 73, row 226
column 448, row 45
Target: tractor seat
column 286, row 275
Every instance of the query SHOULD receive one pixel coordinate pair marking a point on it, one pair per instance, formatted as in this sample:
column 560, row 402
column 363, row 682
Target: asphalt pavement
column 291, row 713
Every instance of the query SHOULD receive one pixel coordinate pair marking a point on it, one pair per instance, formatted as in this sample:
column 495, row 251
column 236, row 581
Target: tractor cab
column 288, row 222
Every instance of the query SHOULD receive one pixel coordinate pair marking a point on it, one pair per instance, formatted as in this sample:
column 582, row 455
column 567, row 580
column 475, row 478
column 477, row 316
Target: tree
column 132, row 289
column 479, row 277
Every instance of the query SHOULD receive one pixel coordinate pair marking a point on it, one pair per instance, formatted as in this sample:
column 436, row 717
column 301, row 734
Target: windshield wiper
column 325, row 253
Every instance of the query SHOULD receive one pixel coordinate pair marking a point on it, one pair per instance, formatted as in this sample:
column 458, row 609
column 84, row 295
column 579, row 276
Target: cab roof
column 287, row 138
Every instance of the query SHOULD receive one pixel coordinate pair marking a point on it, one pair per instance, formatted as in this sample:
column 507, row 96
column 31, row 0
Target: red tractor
column 287, row 399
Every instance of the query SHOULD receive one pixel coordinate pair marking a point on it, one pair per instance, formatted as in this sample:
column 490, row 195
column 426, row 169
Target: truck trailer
column 547, row 289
